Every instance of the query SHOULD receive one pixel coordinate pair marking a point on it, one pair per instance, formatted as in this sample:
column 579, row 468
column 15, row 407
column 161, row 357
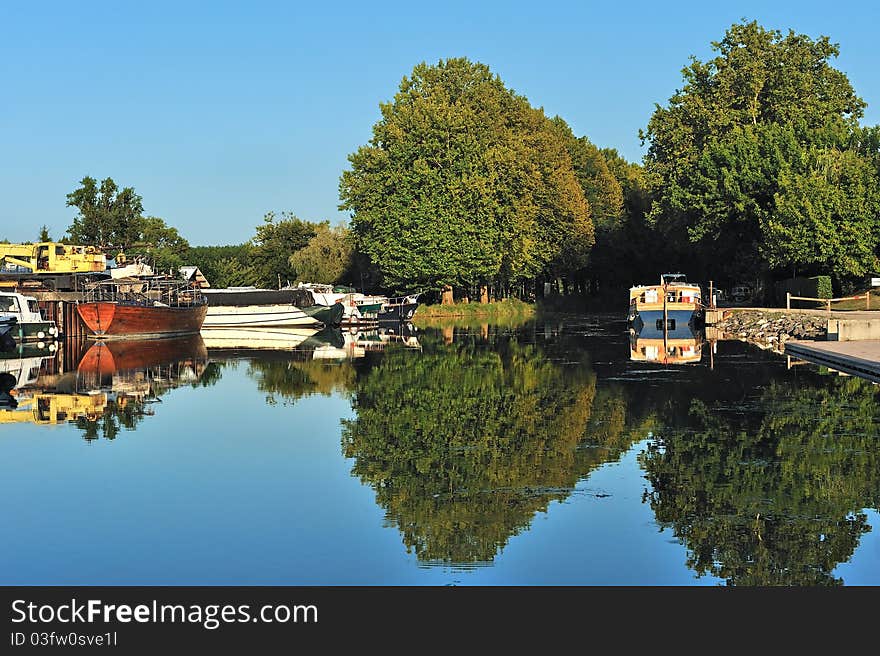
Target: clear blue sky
column 218, row 112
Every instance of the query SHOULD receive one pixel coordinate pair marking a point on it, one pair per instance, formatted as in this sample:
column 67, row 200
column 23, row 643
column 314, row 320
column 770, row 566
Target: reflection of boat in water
column 122, row 355
column 677, row 302
column 25, row 361
column 679, row 346
column 357, row 343
column 112, row 377
column 256, row 338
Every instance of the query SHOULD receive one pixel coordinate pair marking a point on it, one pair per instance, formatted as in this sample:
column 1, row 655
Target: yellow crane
column 51, row 258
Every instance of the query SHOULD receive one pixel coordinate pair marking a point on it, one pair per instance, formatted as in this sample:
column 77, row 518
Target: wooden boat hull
column 111, row 320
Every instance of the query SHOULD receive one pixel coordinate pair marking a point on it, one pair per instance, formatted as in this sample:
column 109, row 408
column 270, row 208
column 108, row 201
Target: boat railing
column 403, row 300
column 171, row 293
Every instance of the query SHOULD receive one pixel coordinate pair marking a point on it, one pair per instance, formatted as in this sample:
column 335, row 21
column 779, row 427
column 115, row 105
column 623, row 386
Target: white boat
column 243, row 307
column 359, row 308
column 671, row 303
column 21, row 319
column 256, row 337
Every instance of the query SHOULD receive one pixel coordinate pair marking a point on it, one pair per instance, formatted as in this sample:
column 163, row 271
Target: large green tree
column 754, row 159
column 327, row 257
column 464, row 182
column 274, row 243
column 161, row 244
column 109, row 217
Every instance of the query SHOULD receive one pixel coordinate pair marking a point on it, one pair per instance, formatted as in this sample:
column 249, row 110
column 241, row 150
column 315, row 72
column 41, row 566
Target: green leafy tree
column 745, row 147
column 44, row 234
column 462, row 183
column 274, row 243
column 230, row 272
column 225, row 266
column 161, row 244
column 327, row 257
column 108, row 217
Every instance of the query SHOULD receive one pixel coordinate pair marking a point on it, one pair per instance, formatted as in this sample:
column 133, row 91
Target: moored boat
column 21, row 320
column 139, row 308
column 247, row 307
column 358, row 308
column 668, row 305
column 398, row 310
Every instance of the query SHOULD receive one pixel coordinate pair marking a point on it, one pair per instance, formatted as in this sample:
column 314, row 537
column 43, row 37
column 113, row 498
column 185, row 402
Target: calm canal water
column 550, row 453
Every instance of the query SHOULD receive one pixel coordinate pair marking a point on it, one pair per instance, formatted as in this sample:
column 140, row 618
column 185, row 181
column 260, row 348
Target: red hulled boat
column 138, row 308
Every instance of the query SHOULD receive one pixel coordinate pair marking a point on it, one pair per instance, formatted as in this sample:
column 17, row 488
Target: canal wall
column 851, row 330
column 768, row 328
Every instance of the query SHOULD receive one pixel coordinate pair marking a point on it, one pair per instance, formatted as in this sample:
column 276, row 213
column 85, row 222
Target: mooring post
column 787, row 300
column 665, row 324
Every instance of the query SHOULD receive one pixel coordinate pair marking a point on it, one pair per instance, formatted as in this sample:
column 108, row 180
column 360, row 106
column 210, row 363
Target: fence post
column 829, row 305
column 787, row 300
column 868, row 300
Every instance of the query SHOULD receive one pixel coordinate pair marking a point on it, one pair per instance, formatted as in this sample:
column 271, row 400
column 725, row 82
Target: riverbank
column 508, row 308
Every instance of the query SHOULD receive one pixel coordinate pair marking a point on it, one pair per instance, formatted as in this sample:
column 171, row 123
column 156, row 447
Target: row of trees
column 756, row 168
column 284, row 249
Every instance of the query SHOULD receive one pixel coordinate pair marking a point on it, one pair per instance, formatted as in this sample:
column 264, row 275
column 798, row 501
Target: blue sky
column 219, row 112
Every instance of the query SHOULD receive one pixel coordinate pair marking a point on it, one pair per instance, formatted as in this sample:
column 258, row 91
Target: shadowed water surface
column 562, row 451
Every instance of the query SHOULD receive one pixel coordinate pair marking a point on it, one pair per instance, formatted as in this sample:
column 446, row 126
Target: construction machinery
column 57, row 266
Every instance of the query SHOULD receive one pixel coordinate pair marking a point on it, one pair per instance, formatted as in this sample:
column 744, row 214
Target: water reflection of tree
column 291, row 379
column 119, row 414
column 464, row 444
column 126, row 410
column 772, row 492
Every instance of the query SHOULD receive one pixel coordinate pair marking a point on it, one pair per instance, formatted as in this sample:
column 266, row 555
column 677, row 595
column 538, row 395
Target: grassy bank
column 510, row 308
column 858, row 305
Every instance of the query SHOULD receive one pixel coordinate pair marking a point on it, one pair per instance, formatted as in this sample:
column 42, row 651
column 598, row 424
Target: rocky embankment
column 771, row 329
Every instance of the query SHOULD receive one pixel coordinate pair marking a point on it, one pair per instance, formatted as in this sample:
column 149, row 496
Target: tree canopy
column 274, row 243
column 464, row 182
column 327, row 257
column 108, row 216
column 759, row 158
